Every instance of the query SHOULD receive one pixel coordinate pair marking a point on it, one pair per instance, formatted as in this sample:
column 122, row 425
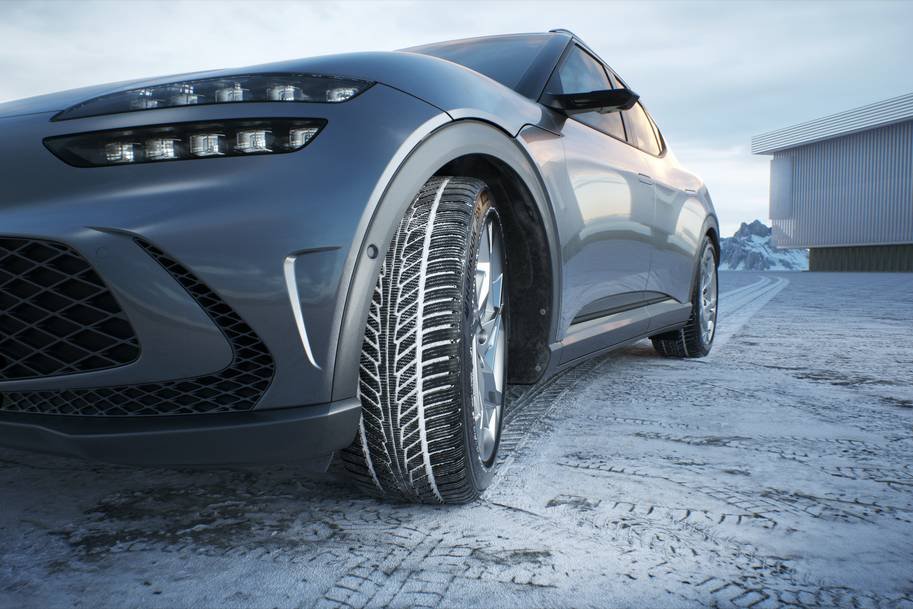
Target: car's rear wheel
column 433, row 363
column 695, row 339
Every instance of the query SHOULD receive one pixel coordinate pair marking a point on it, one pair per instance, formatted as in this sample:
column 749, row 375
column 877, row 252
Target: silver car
column 349, row 255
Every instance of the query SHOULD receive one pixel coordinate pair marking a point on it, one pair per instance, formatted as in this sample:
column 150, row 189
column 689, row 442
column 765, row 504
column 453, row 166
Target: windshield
column 502, row 58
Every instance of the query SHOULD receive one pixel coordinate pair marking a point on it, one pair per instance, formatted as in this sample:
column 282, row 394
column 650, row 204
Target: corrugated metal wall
column 886, row 258
column 851, row 190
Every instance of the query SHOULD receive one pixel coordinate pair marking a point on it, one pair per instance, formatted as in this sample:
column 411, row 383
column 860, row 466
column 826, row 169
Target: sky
column 712, row 74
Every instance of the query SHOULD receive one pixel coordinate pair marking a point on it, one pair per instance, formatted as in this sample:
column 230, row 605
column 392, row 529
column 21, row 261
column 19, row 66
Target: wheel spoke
column 488, row 339
column 708, row 294
column 483, row 287
column 495, row 296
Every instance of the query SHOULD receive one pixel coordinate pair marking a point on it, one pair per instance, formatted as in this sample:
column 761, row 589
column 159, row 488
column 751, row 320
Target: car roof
column 470, row 39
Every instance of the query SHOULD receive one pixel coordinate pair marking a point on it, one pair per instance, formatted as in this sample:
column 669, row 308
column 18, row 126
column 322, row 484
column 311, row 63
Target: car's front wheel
column 433, row 363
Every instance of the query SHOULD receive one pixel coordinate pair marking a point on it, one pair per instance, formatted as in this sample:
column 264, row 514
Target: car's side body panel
column 603, row 214
column 682, row 210
column 607, row 252
column 630, row 225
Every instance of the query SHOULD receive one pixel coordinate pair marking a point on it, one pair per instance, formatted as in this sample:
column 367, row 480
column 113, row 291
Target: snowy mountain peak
column 752, row 249
column 756, row 228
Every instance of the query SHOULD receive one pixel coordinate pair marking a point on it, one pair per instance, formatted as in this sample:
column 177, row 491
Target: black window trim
column 610, row 73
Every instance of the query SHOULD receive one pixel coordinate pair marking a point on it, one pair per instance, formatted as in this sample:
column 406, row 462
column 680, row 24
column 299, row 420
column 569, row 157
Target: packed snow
column 752, row 248
column 776, row 472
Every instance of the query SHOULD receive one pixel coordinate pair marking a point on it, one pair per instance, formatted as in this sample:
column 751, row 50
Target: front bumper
column 270, row 436
column 271, row 238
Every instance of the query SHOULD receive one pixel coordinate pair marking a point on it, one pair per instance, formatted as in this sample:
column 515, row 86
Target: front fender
column 408, row 171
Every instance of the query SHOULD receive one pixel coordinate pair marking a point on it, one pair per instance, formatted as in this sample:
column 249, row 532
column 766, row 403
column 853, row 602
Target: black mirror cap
column 608, row 100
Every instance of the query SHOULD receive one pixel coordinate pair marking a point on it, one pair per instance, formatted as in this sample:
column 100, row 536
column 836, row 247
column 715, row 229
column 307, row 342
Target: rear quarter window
column 640, row 130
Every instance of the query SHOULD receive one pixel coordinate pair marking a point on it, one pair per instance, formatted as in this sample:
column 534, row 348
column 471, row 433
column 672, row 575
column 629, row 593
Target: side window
column 640, row 130
column 616, row 82
column 659, row 136
column 581, row 73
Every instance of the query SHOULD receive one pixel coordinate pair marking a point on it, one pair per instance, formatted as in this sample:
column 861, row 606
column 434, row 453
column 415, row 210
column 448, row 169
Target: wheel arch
column 709, row 229
column 712, row 230
column 484, row 150
column 529, row 266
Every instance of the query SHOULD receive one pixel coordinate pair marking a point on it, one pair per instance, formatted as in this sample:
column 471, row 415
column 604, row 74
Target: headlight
column 185, row 141
column 247, row 88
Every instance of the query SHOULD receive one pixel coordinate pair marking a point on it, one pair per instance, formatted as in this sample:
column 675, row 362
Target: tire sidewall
column 480, row 472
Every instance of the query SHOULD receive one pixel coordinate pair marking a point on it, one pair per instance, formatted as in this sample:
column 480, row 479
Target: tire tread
column 410, row 443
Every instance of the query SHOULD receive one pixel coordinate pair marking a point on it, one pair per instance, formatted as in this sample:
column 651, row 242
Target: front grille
column 237, row 388
column 56, row 314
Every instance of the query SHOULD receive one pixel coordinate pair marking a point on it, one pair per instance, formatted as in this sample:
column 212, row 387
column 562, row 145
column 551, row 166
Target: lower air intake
column 57, row 316
column 237, row 388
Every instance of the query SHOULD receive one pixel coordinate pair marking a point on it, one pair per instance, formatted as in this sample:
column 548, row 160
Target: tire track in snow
column 527, row 410
column 737, row 307
column 527, row 405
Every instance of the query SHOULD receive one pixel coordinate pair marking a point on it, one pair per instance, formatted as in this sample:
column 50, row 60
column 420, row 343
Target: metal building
column 842, row 186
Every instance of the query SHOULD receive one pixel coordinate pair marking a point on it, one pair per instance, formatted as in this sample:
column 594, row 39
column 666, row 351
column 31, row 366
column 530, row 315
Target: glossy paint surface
column 682, row 211
column 604, row 214
column 622, row 225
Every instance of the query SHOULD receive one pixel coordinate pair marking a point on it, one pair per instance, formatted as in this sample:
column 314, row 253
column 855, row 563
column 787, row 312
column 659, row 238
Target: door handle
column 644, row 178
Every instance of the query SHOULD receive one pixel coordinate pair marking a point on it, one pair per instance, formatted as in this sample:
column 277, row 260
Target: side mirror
column 608, row 100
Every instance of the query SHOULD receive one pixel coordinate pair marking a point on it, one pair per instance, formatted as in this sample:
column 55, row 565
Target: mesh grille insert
column 237, row 388
column 56, row 314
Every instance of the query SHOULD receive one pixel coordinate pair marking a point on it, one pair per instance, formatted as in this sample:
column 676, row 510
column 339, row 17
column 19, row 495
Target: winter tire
column 434, row 356
column 695, row 339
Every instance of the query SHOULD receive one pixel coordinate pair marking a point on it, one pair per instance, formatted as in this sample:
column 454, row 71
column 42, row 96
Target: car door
column 679, row 215
column 609, row 204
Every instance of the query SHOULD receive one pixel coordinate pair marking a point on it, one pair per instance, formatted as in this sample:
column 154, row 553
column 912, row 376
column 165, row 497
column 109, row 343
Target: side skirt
column 603, row 334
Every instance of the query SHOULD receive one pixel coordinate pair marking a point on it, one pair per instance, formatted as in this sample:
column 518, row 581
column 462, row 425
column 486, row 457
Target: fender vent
column 237, row 388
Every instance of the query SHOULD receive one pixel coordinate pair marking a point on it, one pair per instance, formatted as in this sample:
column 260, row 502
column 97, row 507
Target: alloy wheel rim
column 708, row 295
column 488, row 340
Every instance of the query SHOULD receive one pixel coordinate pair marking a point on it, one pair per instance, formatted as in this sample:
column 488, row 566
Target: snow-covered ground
column 778, row 471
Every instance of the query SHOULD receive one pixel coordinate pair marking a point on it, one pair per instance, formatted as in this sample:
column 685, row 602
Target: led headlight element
column 185, row 96
column 341, row 94
column 285, row 93
column 234, row 93
column 298, row 138
column 121, row 152
column 207, row 144
column 142, row 99
column 159, row 143
column 163, row 149
column 251, row 141
column 235, row 89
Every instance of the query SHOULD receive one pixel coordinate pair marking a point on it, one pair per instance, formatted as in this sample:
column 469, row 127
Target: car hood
column 448, row 86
